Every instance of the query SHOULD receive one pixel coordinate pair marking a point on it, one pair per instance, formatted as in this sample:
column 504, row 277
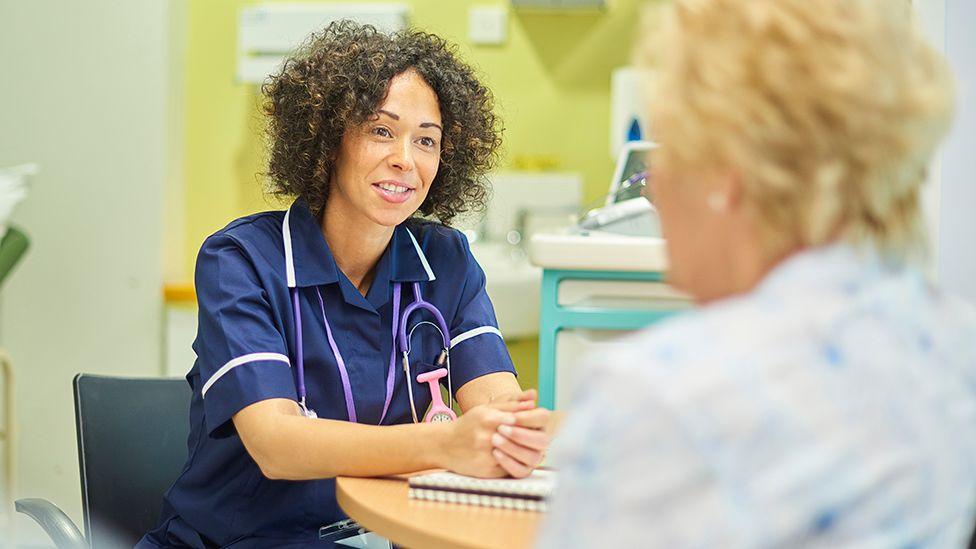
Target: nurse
column 299, row 375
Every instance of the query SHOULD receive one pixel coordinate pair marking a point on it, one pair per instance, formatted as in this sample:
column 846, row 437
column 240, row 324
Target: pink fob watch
column 438, row 410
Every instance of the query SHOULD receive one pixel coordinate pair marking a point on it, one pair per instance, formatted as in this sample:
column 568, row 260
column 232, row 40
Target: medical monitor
column 631, row 161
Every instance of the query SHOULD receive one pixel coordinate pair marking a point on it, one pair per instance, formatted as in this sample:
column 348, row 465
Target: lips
column 395, row 192
column 394, row 186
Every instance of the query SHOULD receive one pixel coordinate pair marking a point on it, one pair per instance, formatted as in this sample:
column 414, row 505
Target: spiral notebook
column 525, row 494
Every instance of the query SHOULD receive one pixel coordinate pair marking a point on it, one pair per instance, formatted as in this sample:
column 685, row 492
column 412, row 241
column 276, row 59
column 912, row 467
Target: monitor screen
column 631, row 172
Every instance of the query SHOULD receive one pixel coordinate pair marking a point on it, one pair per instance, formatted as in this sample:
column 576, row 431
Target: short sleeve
column 477, row 347
column 241, row 351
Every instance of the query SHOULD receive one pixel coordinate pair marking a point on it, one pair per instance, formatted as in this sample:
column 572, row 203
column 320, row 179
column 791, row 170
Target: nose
column 401, row 157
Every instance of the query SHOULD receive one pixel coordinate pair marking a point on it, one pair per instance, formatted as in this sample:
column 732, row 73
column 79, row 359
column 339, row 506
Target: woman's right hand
column 467, row 448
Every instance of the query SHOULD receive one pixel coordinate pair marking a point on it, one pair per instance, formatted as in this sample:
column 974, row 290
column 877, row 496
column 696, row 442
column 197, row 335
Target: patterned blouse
column 832, row 406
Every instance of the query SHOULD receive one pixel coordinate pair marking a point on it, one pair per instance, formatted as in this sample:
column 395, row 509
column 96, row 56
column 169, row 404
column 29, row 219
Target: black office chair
column 132, row 436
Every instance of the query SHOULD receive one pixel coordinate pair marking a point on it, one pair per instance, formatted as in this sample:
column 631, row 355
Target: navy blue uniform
column 245, row 349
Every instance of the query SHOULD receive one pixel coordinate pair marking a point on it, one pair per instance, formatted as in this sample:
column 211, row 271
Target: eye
column 428, row 142
column 382, row 131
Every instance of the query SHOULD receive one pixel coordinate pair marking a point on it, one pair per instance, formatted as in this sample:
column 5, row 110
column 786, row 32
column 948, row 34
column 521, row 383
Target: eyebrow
column 422, row 125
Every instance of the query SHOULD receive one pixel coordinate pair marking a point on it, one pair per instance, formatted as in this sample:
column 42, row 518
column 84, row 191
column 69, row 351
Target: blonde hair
column 828, row 110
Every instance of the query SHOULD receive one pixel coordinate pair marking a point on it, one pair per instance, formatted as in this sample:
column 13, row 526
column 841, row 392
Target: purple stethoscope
column 438, row 410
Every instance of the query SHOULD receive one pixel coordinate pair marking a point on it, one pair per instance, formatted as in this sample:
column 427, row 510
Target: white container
column 13, row 189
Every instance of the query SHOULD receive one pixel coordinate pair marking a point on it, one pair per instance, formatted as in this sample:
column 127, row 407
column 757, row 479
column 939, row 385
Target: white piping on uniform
column 423, row 258
column 289, row 262
column 233, row 363
column 474, row 333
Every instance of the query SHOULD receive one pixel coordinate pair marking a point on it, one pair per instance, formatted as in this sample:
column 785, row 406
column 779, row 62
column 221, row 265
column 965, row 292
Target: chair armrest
column 55, row 523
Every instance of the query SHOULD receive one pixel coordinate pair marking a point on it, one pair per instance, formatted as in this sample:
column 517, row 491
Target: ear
column 725, row 196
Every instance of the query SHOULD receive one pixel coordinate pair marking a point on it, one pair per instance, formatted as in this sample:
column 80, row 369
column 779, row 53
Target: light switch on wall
column 488, row 25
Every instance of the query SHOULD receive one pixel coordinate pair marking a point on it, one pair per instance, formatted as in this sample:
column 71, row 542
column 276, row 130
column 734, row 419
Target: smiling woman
column 306, row 314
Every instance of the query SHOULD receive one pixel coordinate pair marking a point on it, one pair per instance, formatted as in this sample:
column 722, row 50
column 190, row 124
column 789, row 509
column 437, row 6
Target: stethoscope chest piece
column 306, row 411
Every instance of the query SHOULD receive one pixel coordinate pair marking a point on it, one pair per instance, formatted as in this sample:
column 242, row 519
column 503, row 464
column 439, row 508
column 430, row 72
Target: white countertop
column 597, row 251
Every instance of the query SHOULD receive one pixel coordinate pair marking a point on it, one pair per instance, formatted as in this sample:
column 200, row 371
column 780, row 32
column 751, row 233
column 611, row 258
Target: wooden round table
column 382, row 506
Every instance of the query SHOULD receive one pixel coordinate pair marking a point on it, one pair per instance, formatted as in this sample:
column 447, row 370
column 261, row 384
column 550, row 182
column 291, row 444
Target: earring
column 717, row 202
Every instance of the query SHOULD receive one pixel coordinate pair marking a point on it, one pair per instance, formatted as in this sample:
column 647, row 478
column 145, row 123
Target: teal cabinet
column 583, row 301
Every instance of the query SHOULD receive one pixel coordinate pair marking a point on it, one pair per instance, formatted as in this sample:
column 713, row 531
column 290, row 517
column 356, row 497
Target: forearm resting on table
column 484, row 389
column 289, row 446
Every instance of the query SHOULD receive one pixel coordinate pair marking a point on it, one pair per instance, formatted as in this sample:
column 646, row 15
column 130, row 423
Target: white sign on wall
column 268, row 33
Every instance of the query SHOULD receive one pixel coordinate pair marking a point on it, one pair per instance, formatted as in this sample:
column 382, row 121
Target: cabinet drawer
column 573, row 347
column 620, row 294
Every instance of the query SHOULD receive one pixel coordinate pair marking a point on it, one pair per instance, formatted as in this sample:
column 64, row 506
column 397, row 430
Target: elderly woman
column 825, row 393
column 324, row 329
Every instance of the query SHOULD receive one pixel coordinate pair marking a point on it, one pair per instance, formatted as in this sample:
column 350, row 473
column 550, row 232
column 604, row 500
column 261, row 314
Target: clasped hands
column 506, row 437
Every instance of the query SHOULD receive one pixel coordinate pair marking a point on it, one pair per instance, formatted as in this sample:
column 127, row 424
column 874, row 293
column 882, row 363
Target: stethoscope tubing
column 343, row 372
column 299, row 357
column 399, row 334
column 419, row 303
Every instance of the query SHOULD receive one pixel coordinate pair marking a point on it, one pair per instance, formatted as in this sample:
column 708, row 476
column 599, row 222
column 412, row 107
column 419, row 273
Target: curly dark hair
column 339, row 78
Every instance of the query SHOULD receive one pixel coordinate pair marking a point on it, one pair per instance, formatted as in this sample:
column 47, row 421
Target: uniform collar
column 309, row 261
column 407, row 257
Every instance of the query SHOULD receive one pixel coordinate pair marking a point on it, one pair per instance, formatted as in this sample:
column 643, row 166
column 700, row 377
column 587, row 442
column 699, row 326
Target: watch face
column 441, row 416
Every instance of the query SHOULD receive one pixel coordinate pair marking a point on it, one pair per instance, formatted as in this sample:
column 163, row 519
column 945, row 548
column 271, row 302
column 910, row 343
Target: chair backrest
column 132, row 444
